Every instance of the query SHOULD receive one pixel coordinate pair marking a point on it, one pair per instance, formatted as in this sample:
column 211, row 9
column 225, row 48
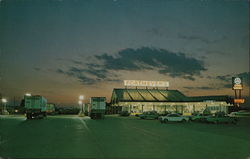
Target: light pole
column 80, row 105
column 80, row 102
column 4, row 111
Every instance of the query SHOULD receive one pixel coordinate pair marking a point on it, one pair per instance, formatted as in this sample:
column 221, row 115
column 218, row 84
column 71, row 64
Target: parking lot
column 121, row 137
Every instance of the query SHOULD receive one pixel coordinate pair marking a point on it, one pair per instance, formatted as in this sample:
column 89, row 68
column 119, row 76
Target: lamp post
column 80, row 105
column 80, row 102
column 4, row 111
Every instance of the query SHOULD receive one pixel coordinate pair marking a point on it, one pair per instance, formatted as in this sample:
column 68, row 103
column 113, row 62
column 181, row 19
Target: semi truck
column 97, row 107
column 35, row 106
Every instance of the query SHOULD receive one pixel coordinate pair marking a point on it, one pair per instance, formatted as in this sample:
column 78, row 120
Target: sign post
column 237, row 86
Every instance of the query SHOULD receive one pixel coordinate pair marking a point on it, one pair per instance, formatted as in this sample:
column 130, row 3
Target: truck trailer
column 35, row 106
column 97, row 107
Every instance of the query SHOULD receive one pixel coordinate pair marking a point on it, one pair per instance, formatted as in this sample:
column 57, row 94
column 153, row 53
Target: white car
column 241, row 113
column 173, row 117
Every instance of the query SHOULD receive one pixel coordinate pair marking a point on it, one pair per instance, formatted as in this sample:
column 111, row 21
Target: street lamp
column 28, row 94
column 80, row 102
column 4, row 101
column 81, row 97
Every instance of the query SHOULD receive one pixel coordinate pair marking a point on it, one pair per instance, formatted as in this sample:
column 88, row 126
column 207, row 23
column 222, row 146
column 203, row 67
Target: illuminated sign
column 239, row 101
column 237, row 83
column 237, row 86
column 136, row 83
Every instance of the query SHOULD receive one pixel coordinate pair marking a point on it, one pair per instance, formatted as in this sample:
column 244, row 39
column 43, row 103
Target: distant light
column 81, row 97
column 79, row 102
column 28, row 94
column 4, row 100
column 16, row 110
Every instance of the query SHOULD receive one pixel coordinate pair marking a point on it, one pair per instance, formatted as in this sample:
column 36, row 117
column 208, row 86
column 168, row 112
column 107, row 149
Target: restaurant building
column 138, row 100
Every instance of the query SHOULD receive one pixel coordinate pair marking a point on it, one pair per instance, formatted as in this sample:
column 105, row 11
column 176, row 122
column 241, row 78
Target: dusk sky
column 63, row 48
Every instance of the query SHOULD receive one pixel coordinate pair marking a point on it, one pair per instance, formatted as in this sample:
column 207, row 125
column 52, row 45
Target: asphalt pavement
column 120, row 138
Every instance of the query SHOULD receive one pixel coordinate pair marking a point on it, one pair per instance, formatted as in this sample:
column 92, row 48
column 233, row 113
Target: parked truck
column 35, row 106
column 97, row 107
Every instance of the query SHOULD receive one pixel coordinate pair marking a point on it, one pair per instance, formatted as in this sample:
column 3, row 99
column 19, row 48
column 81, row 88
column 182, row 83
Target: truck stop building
column 140, row 100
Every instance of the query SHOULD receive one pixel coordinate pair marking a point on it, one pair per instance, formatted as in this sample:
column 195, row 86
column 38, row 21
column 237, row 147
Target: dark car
column 124, row 113
column 149, row 115
column 200, row 117
column 220, row 117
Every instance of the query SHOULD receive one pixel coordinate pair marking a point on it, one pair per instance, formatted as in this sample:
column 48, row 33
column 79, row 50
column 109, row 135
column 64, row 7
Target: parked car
column 221, row 118
column 135, row 114
column 173, row 117
column 124, row 113
column 200, row 117
column 241, row 113
column 149, row 115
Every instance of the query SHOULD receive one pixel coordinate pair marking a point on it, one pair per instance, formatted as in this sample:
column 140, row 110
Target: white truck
column 35, row 106
column 97, row 107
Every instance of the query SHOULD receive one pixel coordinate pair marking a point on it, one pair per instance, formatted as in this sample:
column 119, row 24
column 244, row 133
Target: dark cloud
column 166, row 62
column 88, row 76
column 227, row 86
column 228, row 78
column 60, row 71
column 201, row 88
column 155, row 31
column 245, row 77
column 37, row 69
column 77, row 62
column 200, row 38
column 145, row 58
column 225, row 78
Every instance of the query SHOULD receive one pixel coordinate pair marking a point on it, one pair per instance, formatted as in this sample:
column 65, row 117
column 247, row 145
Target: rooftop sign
column 135, row 83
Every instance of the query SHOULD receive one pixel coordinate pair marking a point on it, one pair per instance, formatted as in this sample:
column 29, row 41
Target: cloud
column 201, row 88
column 202, row 39
column 76, row 62
column 88, row 76
column 37, row 69
column 228, row 78
column 165, row 62
column 155, row 31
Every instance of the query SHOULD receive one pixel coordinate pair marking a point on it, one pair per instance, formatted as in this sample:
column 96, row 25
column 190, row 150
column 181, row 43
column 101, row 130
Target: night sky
column 63, row 48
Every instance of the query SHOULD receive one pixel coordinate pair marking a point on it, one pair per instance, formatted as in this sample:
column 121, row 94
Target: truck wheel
column 28, row 115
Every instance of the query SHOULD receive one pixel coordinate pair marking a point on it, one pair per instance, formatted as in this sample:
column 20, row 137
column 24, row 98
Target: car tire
column 165, row 120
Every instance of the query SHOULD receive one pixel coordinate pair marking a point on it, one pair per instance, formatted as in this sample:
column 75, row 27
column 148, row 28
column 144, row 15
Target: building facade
column 163, row 100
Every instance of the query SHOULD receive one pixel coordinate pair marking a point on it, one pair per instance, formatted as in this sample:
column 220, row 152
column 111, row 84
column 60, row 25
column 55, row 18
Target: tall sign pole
column 237, row 86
